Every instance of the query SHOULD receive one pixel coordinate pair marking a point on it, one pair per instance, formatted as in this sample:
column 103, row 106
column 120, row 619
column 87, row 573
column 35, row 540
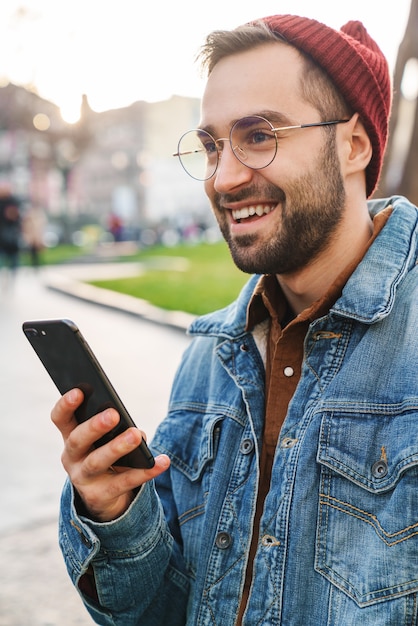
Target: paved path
column 140, row 357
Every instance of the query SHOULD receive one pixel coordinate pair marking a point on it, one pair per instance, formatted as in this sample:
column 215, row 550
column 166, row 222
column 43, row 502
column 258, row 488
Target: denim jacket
column 338, row 541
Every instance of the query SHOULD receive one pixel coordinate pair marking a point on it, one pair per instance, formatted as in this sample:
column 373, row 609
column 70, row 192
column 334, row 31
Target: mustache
column 268, row 193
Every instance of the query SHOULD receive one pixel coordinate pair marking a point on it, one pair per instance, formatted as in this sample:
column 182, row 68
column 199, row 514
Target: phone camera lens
column 31, row 332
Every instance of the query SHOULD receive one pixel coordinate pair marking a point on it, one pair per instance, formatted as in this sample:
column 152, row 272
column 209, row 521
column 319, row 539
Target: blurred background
column 93, row 99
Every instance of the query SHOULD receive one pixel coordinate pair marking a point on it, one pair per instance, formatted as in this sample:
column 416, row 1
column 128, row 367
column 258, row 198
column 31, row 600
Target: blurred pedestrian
column 10, row 231
column 33, row 231
column 115, row 226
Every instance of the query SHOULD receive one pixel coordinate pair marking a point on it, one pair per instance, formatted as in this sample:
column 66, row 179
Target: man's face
column 298, row 198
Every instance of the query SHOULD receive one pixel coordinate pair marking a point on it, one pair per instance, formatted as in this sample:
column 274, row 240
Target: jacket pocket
column 367, row 533
column 189, row 436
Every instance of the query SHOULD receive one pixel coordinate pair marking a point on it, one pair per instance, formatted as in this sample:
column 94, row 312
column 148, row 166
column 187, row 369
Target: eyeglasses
column 253, row 141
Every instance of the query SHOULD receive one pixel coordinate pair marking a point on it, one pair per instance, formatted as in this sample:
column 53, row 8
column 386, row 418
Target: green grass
column 209, row 280
column 53, row 256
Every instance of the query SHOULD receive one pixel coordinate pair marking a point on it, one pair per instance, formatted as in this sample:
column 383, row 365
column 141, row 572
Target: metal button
column 288, row 371
column 380, row 469
column 223, row 540
column 247, row 446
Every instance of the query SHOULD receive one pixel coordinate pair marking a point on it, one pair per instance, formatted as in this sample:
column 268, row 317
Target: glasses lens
column 198, row 154
column 254, row 142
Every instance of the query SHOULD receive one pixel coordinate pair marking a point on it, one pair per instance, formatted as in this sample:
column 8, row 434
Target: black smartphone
column 70, row 362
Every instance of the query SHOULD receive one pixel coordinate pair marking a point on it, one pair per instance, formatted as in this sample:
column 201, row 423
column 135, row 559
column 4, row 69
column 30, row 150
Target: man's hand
column 106, row 492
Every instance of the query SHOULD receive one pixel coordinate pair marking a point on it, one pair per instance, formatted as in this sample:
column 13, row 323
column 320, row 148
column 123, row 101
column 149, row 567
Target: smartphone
column 70, row 362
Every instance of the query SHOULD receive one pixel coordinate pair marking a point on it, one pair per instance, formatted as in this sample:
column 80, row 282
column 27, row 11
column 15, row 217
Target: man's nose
column 230, row 172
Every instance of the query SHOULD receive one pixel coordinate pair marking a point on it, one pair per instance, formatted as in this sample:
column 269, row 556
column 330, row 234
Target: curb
column 178, row 320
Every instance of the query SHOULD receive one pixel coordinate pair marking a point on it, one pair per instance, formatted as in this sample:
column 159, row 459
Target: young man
column 285, row 488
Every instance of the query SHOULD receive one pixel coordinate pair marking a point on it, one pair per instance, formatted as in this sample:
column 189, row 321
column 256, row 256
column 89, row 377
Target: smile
column 250, row 211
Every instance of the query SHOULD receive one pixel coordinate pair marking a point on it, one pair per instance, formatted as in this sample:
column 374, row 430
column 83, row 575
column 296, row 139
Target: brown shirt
column 283, row 367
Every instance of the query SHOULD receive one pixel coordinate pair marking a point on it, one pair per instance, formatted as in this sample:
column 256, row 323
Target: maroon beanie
column 358, row 69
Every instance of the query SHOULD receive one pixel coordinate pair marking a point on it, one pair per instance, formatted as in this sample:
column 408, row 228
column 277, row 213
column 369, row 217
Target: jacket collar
column 370, row 292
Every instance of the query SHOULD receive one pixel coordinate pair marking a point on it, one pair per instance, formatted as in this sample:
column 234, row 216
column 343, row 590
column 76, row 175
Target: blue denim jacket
column 338, row 541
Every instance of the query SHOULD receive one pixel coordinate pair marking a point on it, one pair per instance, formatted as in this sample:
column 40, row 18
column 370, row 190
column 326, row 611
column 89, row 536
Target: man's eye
column 260, row 136
column 209, row 147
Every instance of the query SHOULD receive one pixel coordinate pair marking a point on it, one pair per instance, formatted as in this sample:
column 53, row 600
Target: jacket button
column 288, row 371
column 247, row 446
column 380, row 469
column 223, row 540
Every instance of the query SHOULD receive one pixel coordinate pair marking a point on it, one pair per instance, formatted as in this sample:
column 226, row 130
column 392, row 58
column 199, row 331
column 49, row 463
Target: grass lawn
column 55, row 255
column 206, row 280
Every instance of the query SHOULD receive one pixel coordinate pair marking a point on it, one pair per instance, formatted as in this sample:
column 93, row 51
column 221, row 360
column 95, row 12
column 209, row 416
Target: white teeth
column 254, row 209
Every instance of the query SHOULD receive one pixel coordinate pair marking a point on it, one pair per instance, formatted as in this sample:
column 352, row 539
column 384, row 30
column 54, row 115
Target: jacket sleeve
column 135, row 565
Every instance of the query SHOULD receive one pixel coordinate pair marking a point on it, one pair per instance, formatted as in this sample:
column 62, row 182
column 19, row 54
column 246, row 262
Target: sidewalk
column 33, row 577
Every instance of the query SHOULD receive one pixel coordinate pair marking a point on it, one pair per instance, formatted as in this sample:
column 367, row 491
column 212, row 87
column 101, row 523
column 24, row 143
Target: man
column 291, row 492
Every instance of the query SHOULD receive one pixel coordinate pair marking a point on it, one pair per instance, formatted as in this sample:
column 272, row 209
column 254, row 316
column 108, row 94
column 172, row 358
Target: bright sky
column 120, row 51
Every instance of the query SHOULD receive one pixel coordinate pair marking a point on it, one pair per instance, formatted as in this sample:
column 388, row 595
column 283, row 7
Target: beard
column 311, row 211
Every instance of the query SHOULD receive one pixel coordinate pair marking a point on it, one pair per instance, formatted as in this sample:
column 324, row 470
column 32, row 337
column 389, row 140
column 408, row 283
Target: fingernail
column 130, row 437
column 73, row 396
column 108, row 418
column 164, row 460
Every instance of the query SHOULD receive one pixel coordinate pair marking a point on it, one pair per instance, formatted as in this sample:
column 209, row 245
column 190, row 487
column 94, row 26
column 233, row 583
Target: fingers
column 109, row 495
column 123, row 480
column 106, row 494
column 81, row 440
column 80, row 443
column 62, row 414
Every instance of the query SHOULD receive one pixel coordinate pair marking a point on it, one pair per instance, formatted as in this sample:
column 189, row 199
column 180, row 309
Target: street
column 140, row 359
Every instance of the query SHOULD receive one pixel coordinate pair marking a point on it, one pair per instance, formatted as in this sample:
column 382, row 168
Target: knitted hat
column 358, row 69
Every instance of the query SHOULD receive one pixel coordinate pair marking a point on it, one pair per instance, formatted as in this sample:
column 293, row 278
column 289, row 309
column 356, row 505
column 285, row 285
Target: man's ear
column 357, row 147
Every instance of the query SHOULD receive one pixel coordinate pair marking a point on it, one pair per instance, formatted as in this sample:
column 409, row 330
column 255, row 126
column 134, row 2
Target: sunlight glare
column 409, row 86
column 63, row 50
column 71, row 110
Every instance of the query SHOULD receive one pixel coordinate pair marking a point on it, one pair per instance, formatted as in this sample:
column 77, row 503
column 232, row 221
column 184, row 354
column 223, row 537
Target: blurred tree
column 400, row 169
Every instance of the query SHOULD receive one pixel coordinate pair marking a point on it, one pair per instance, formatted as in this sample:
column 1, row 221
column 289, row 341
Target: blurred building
column 116, row 163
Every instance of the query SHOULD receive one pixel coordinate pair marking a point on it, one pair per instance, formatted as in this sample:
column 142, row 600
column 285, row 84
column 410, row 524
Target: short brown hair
column 316, row 86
